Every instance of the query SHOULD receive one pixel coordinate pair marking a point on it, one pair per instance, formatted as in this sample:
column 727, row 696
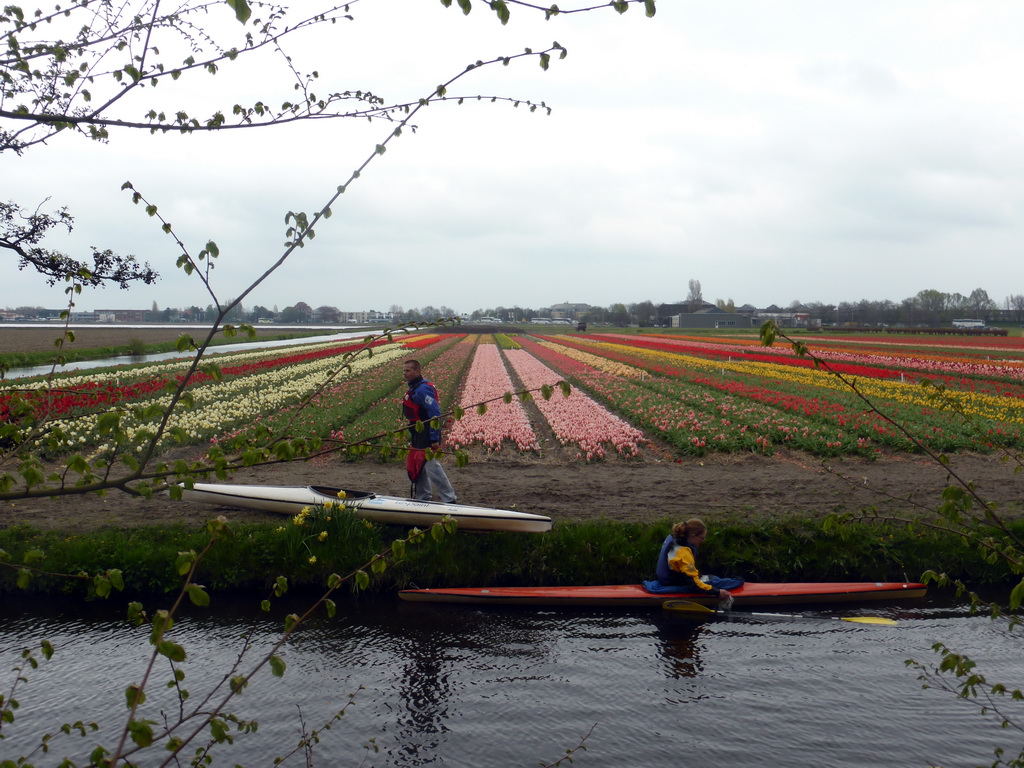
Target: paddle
column 688, row 606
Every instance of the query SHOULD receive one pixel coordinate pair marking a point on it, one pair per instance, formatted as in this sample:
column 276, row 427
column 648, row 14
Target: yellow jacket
column 681, row 560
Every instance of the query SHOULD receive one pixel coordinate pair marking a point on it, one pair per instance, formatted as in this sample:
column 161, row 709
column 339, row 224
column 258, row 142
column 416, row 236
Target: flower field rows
column 777, row 403
column 695, row 395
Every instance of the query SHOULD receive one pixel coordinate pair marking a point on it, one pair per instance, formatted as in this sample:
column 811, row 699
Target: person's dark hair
column 414, row 363
column 681, row 530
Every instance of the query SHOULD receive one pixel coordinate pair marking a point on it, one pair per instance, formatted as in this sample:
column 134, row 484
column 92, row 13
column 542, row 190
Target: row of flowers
column 829, row 419
column 1009, row 410
column 104, row 390
column 883, row 364
column 503, row 421
column 225, row 405
column 576, row 420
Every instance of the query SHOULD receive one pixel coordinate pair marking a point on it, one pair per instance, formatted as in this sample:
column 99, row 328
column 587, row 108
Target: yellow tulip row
column 601, row 363
column 1005, row 409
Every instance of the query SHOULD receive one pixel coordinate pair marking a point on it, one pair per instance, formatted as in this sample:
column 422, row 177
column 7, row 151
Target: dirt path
column 746, row 487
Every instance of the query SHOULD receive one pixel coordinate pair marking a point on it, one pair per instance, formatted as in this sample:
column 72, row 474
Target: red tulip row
column 94, row 396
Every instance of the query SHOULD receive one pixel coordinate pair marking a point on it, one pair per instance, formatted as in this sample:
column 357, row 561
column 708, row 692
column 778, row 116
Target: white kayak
column 291, row 499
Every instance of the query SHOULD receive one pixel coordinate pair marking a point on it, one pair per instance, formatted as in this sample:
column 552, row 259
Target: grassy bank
column 587, row 553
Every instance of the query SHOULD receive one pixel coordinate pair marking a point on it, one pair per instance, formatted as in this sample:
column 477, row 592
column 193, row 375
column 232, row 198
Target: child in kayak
column 677, row 561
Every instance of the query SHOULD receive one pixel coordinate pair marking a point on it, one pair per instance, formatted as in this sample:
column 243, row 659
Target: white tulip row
column 168, row 368
column 220, row 406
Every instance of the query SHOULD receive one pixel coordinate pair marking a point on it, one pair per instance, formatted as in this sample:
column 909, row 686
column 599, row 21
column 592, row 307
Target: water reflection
column 468, row 686
column 680, row 640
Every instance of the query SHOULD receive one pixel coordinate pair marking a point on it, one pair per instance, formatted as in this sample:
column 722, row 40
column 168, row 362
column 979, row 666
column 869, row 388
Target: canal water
column 109, row 362
column 466, row 686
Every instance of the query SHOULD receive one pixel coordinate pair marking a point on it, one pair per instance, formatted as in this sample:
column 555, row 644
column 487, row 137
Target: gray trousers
column 433, row 476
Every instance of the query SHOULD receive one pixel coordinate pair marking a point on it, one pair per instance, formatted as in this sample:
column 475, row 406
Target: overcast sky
column 798, row 150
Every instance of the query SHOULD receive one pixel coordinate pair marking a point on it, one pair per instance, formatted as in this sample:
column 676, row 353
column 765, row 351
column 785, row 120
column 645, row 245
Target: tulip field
column 631, row 394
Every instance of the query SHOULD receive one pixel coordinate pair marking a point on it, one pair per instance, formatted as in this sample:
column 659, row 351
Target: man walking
column 421, row 405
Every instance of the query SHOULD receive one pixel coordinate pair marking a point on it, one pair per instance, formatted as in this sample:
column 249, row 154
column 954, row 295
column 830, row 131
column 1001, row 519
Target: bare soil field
column 658, row 487
column 719, row 489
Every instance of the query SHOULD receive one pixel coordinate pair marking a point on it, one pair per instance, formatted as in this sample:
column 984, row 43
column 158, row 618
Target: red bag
column 414, row 463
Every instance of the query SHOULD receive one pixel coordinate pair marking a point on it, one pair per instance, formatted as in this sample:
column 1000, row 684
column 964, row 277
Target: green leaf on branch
column 1017, row 596
column 219, row 731
column 171, row 650
column 134, row 696
column 184, row 562
column 198, row 595
column 500, row 8
column 116, row 578
column 277, row 666
column 102, row 585
column 141, row 732
column 241, row 9
column 437, row 531
column 33, row 556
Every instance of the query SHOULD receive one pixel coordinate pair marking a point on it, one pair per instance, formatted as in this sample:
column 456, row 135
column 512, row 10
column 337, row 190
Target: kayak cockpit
column 328, row 491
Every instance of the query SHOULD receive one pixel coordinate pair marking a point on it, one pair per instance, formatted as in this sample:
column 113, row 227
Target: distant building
column 708, row 316
column 568, row 311
column 787, row 319
column 366, row 316
column 121, row 315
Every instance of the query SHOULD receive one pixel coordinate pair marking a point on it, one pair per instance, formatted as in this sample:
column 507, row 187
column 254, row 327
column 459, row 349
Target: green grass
column 584, row 553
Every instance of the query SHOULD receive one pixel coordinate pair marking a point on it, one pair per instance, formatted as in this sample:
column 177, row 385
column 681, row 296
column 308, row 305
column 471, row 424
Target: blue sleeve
column 425, row 397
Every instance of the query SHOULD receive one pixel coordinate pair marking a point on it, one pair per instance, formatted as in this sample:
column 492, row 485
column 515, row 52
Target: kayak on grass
column 636, row 596
column 291, row 499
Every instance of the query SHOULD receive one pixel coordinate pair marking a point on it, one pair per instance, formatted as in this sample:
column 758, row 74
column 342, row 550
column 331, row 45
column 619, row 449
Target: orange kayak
column 635, row 596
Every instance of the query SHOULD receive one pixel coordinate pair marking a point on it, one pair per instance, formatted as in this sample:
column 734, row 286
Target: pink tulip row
column 576, row 419
column 488, row 379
